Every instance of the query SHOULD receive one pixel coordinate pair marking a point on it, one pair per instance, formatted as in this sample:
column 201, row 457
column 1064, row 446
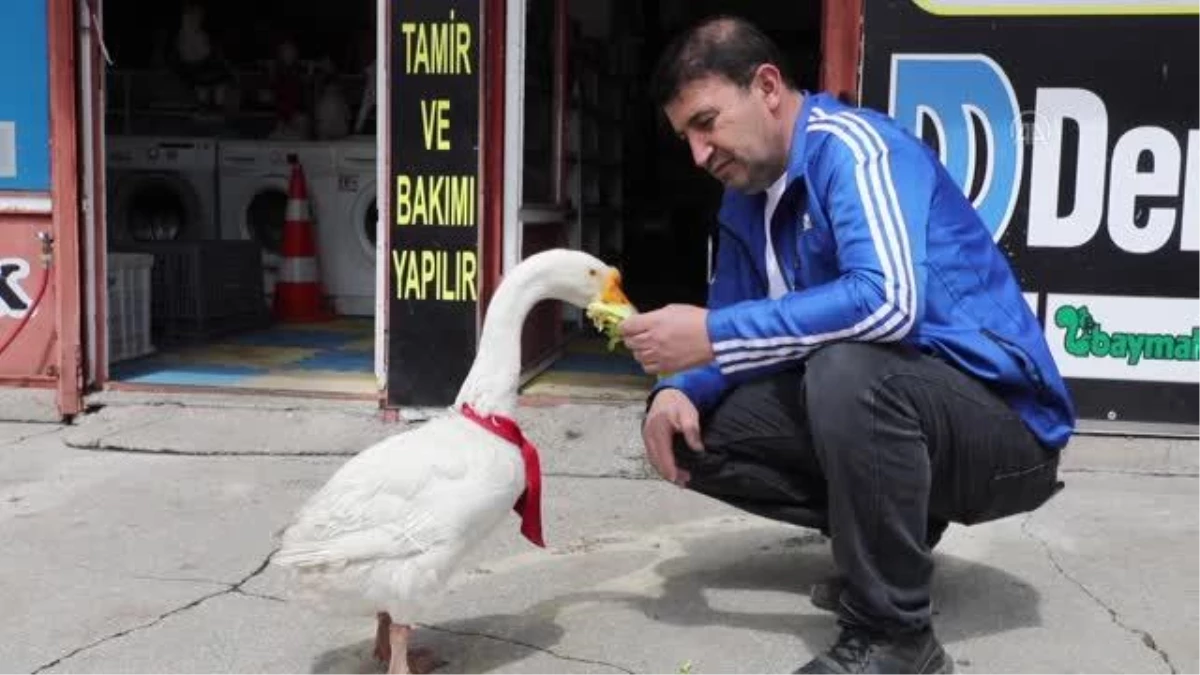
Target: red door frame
column 491, row 236
column 841, row 47
column 98, row 253
column 64, row 167
column 542, row 333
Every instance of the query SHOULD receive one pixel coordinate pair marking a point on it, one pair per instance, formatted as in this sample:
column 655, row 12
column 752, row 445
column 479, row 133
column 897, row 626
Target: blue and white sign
column 24, row 97
column 1072, row 127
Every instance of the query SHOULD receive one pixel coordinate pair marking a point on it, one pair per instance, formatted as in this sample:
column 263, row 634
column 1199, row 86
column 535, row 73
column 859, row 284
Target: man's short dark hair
column 728, row 46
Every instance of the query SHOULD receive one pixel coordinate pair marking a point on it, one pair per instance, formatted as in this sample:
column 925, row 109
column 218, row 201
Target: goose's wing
column 401, row 499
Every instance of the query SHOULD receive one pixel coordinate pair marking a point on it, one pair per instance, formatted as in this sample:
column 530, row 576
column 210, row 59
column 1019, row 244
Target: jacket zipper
column 783, row 273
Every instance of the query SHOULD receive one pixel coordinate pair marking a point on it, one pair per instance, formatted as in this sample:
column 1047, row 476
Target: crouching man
column 866, row 363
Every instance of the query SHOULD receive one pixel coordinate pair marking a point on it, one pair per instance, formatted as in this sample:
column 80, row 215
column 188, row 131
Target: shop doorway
column 211, row 115
column 633, row 196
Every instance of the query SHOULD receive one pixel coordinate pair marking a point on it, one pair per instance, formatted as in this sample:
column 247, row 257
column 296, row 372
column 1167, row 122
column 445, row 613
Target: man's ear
column 769, row 82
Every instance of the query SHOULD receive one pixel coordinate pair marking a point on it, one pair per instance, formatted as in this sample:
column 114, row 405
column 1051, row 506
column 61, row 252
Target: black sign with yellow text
column 433, row 264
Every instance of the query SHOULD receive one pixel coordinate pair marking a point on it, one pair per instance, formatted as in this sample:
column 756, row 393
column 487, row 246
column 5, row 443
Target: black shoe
column 860, row 651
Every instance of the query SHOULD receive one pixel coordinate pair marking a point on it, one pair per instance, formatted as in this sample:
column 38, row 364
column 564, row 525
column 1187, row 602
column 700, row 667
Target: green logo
column 1085, row 337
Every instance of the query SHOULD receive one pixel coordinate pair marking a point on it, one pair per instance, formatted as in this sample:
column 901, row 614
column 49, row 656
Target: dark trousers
column 878, row 446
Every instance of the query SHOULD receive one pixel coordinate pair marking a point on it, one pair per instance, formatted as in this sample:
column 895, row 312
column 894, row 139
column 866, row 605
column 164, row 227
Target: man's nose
column 701, row 151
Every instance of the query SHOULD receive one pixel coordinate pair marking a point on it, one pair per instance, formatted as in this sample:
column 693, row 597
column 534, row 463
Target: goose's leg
column 383, row 642
column 417, row 661
column 399, row 638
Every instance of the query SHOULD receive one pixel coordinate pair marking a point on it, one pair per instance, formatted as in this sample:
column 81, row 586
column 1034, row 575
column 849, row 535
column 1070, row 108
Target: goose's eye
column 592, row 273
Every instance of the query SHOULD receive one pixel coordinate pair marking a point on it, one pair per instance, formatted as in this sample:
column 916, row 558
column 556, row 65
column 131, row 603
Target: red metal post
column 99, row 204
column 492, row 234
column 64, row 167
column 841, row 47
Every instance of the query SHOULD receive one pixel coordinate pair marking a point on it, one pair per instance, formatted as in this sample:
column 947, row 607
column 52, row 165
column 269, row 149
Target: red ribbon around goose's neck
column 529, row 504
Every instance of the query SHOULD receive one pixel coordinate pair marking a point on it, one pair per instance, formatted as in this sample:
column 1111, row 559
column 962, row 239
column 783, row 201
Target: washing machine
column 161, row 189
column 347, row 235
column 253, row 188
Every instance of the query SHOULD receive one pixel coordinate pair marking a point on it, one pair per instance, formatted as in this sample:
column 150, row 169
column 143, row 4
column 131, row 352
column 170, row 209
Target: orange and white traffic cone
column 298, row 294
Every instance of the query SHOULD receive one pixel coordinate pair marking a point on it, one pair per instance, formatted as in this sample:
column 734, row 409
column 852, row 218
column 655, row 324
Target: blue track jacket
column 877, row 244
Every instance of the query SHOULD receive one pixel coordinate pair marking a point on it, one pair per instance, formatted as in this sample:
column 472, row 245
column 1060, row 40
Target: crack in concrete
column 262, row 596
column 128, row 631
column 526, row 645
column 21, row 439
column 226, row 586
column 97, row 443
column 1143, row 636
column 231, row 588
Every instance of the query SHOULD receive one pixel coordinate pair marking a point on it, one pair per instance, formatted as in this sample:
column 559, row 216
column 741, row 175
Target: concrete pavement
column 136, row 540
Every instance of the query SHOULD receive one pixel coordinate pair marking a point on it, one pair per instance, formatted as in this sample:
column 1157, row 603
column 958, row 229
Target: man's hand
column 672, row 412
column 670, row 339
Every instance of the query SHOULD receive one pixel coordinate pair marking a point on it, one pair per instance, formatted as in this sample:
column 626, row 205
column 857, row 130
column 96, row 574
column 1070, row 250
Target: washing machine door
column 153, row 206
column 263, row 214
column 366, row 220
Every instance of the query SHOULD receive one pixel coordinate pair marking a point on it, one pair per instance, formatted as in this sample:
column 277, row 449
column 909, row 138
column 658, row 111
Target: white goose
column 384, row 534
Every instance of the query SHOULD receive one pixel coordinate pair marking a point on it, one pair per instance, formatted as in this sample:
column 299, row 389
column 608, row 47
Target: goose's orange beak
column 612, row 292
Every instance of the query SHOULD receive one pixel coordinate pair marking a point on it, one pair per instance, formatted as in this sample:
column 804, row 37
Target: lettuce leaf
column 607, row 318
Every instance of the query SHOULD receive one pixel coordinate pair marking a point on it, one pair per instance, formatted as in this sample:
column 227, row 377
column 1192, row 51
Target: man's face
column 733, row 132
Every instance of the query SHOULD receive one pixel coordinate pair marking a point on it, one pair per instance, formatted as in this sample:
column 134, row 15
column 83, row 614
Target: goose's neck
column 491, row 384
